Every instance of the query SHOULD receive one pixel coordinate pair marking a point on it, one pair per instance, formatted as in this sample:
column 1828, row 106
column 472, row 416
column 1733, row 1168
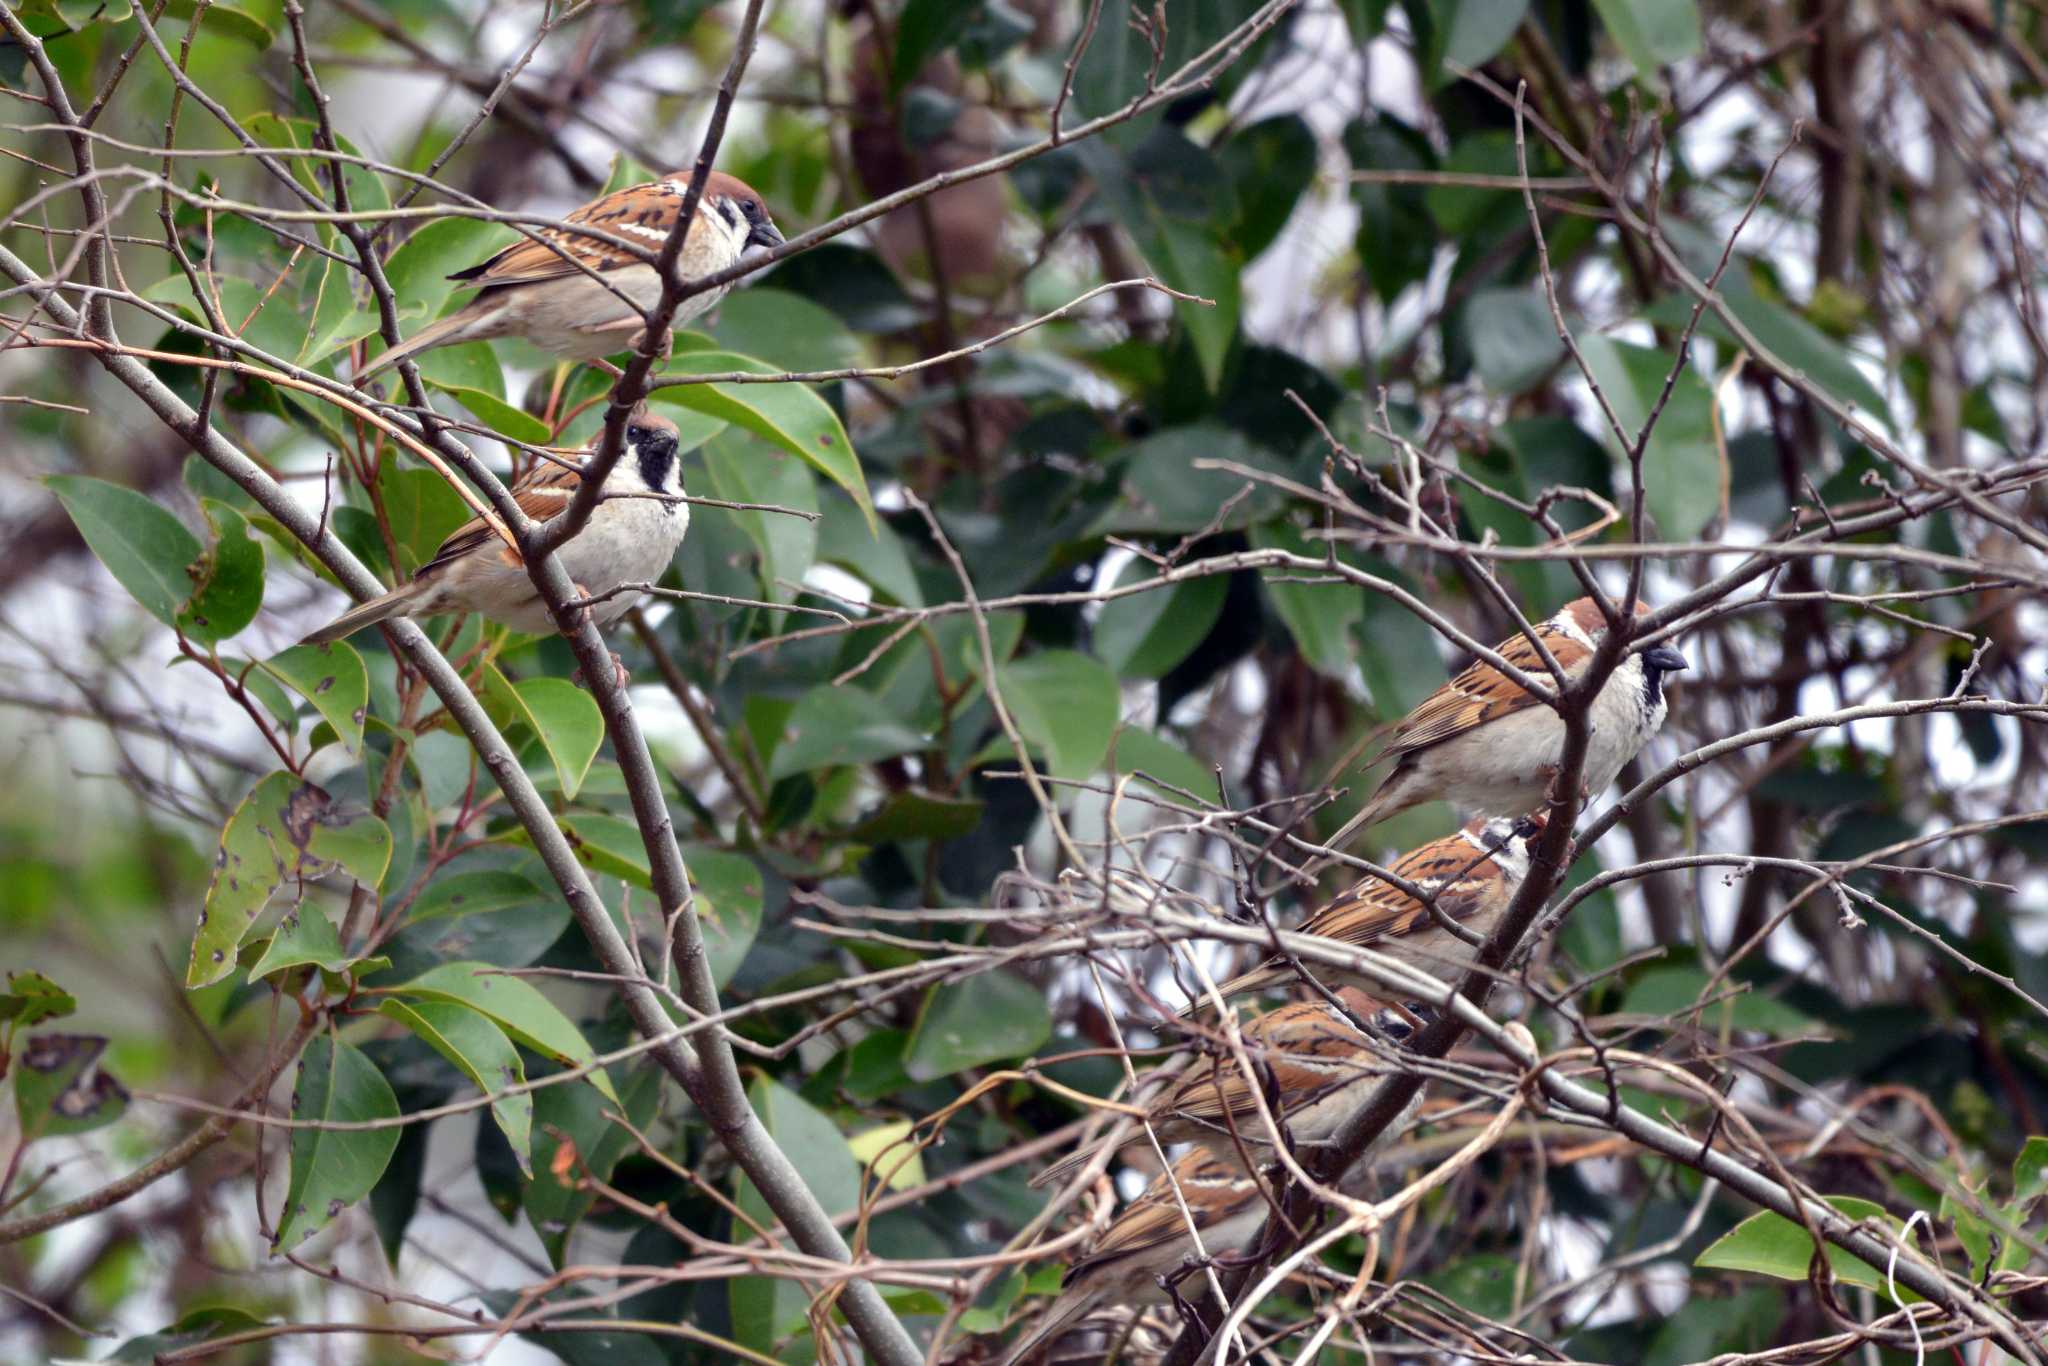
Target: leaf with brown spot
column 291, row 831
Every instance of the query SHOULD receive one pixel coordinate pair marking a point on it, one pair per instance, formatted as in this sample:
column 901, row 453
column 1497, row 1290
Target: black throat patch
column 657, row 458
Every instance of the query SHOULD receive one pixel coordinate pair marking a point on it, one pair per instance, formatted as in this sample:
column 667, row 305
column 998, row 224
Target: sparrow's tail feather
column 1058, row 1173
column 393, row 604
column 1065, row 1313
column 464, row 324
column 1258, row 979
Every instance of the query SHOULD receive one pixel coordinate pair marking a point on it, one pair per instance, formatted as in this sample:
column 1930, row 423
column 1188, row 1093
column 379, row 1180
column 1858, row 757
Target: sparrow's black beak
column 764, row 234
column 1665, row 659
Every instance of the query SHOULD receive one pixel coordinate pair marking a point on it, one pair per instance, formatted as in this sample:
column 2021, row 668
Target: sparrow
column 1150, row 1240
column 540, row 287
column 1485, row 745
column 628, row 539
column 1321, row 1068
column 1473, row 875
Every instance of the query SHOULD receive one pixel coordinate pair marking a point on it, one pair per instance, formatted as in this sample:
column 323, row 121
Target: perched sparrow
column 1474, row 875
column 1321, row 1066
column 628, row 539
column 543, row 290
column 1150, row 1239
column 1483, row 744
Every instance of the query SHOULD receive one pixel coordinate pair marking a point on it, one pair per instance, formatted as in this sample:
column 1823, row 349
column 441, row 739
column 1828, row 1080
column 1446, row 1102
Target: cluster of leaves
column 375, row 877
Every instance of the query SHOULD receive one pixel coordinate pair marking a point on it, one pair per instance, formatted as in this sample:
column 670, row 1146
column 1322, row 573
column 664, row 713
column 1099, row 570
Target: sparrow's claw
column 622, row 676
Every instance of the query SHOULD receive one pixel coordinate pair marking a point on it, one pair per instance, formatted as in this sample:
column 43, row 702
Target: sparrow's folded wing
column 1372, row 911
column 1483, row 693
column 639, row 213
column 540, row 498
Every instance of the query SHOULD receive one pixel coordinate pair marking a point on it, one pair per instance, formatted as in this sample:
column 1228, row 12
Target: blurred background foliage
column 1346, row 201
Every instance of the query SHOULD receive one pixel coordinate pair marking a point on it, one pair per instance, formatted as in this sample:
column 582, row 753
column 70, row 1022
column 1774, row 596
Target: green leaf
column 924, row 29
column 1171, row 493
column 564, row 718
column 1469, row 32
column 1772, row 1245
column 883, row 1152
column 1972, row 1232
column 578, row 1117
column 1668, row 990
column 785, row 330
column 1146, row 634
column 1705, row 1328
column 790, row 415
column 1138, row 750
column 190, row 1330
column 474, row 893
column 840, row 725
column 421, row 510
column 60, row 1089
column 874, row 1066
column 1685, row 474
column 877, row 556
column 727, row 889
column 746, row 470
column 986, row 1018
column 497, row 414
column 481, row 1052
column 333, row 679
column 608, row 846
column 1397, row 651
column 31, row 998
column 1803, row 347
column 2030, row 1171
column 144, row 547
column 1514, row 342
column 284, row 830
column 304, row 938
column 331, row 1169
column 336, row 321
column 918, row 816
column 1270, row 164
column 1652, row 33
column 1066, row 705
column 419, row 269
column 517, row 1006
column 226, row 578
column 1318, row 615
column 768, row 1309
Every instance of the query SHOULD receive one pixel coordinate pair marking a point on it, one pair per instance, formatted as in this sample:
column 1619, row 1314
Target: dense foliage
column 1152, row 402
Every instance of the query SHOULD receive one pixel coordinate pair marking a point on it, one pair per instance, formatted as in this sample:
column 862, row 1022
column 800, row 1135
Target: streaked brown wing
column 642, row 213
column 540, row 498
column 1218, row 1089
column 1155, row 1217
column 1483, row 693
column 1375, row 910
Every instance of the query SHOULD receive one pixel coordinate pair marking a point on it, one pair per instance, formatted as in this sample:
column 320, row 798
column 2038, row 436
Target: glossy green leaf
column 189, row 1331
column 767, row 1309
column 481, row 1052
column 1146, row 634
column 1684, row 472
column 334, row 319
column 986, row 1018
column 791, row 415
column 2030, row 1171
column 226, row 578
column 284, row 830
column 877, row 556
column 516, row 1005
column 421, row 510
column 1666, row 990
column 1514, row 341
column 1772, row 1245
column 60, row 1088
column 608, row 846
column 917, row 816
column 30, row 998
column 1318, row 615
column 580, row 1118
column 1066, row 705
column 419, row 269
column 1271, row 164
column 728, row 894
column 331, row 1169
column 333, row 679
column 305, row 937
column 784, row 329
column 1469, row 32
column 1652, row 34
column 840, row 725
column 144, row 547
column 1140, row 751
column 744, row 469
column 562, row 716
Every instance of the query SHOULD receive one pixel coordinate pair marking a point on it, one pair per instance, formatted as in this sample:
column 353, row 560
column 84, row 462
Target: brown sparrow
column 1321, row 1067
column 1151, row 1239
column 1473, row 875
column 628, row 539
column 1485, row 745
column 541, row 288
